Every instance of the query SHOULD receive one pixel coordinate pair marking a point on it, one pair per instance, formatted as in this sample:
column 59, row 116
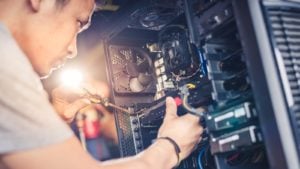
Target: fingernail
column 169, row 100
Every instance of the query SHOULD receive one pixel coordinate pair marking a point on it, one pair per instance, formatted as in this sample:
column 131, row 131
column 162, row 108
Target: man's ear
column 35, row 5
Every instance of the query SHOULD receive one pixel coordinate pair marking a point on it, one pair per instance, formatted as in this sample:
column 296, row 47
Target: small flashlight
column 72, row 78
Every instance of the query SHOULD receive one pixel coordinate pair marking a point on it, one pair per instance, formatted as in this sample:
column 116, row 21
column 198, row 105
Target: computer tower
column 236, row 58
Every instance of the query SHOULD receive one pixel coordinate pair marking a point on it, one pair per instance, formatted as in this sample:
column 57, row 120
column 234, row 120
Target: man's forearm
column 160, row 155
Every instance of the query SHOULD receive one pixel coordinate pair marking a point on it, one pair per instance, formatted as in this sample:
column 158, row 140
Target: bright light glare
column 71, row 78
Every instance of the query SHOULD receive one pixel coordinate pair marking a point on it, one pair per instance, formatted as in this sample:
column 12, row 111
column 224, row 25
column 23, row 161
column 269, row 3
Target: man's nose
column 72, row 48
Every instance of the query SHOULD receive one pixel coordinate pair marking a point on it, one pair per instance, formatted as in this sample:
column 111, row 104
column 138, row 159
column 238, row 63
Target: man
column 37, row 36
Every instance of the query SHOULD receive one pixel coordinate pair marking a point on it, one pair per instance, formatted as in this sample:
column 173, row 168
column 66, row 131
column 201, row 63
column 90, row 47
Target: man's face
column 51, row 33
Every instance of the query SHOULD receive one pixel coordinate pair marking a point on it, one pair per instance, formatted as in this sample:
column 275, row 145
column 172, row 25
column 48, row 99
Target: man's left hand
column 68, row 101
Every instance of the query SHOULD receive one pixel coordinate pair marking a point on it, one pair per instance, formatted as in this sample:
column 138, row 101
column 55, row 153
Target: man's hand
column 68, row 101
column 184, row 130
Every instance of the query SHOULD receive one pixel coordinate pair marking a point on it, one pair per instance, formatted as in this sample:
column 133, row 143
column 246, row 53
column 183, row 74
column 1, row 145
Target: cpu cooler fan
column 153, row 17
column 131, row 70
column 180, row 57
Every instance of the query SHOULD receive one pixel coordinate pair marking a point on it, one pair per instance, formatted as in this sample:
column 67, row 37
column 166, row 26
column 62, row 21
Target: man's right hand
column 184, row 130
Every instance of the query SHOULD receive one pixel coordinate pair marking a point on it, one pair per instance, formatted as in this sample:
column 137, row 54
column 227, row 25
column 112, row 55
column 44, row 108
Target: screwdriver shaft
column 118, row 107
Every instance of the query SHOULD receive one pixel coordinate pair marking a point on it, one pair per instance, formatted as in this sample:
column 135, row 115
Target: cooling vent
column 153, row 17
column 126, row 142
column 285, row 27
column 132, row 71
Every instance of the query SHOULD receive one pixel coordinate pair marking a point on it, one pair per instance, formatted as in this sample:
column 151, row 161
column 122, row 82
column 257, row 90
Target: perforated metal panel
column 285, row 29
column 126, row 141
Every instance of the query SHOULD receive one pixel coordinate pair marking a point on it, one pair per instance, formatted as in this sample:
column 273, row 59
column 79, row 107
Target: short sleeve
column 27, row 119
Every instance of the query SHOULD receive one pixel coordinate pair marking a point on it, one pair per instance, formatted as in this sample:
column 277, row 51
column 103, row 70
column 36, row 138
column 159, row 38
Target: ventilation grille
column 285, row 24
column 126, row 142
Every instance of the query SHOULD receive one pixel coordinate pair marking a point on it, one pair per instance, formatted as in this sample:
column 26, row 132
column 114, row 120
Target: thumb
column 171, row 109
column 73, row 108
